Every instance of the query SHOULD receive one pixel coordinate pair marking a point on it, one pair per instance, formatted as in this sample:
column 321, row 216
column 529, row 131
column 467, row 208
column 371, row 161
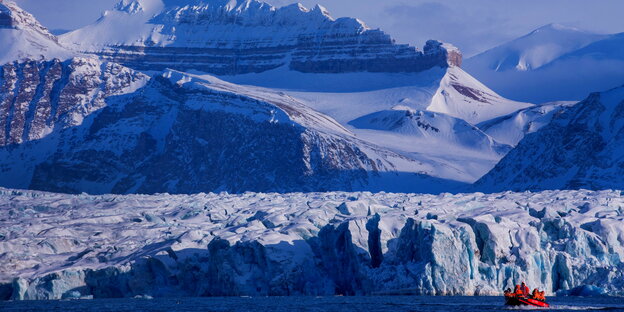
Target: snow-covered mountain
column 23, row 37
column 580, row 148
column 303, row 103
column 62, row 246
column 426, row 126
column 184, row 134
column 552, row 63
column 449, row 92
column 245, row 36
column 536, row 49
column 54, row 96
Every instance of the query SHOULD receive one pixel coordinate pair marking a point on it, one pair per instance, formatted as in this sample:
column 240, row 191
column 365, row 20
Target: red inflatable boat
column 524, row 301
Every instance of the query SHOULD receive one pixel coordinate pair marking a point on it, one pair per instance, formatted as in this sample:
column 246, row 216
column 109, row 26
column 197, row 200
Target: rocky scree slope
column 580, row 148
column 62, row 246
column 247, row 36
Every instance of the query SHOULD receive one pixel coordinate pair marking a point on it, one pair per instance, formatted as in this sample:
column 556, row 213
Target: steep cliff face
column 580, row 148
column 248, row 36
column 64, row 246
column 38, row 96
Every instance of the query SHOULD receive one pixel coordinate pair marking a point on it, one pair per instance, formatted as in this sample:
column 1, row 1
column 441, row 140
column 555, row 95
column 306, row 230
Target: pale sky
column 472, row 25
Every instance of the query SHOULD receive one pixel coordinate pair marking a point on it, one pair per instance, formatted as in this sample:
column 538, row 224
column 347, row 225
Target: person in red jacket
column 525, row 289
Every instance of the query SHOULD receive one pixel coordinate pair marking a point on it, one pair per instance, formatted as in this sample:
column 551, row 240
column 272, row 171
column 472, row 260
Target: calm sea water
column 312, row 304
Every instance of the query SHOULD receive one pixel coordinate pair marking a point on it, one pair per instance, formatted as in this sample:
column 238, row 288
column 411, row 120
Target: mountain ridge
column 552, row 63
column 580, row 148
column 236, row 37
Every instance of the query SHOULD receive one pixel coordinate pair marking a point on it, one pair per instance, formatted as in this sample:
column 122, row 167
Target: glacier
column 57, row 246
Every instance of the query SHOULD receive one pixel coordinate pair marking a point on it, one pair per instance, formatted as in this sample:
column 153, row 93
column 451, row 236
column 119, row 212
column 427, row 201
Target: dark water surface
column 312, row 304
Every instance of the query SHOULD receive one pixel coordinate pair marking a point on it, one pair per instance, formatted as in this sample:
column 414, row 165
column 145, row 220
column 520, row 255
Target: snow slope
column 64, row 246
column 511, row 129
column 534, row 50
column 580, row 148
column 427, row 127
column 449, row 92
column 552, row 63
column 23, row 37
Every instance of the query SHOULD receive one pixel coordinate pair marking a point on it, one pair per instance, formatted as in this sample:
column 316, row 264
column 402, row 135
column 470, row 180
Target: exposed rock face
column 580, row 148
column 308, row 244
column 228, row 38
column 444, row 51
column 36, row 97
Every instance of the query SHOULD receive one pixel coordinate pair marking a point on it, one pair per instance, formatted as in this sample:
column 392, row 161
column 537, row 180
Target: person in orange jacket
column 518, row 291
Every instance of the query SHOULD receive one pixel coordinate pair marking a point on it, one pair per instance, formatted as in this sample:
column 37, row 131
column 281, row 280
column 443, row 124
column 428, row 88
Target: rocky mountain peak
column 129, row 7
column 14, row 17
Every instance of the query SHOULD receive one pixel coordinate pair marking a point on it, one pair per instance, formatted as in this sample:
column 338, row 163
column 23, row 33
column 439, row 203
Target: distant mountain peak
column 556, row 26
column 552, row 63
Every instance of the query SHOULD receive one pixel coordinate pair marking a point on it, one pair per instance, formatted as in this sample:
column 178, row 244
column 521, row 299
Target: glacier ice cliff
column 80, row 246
